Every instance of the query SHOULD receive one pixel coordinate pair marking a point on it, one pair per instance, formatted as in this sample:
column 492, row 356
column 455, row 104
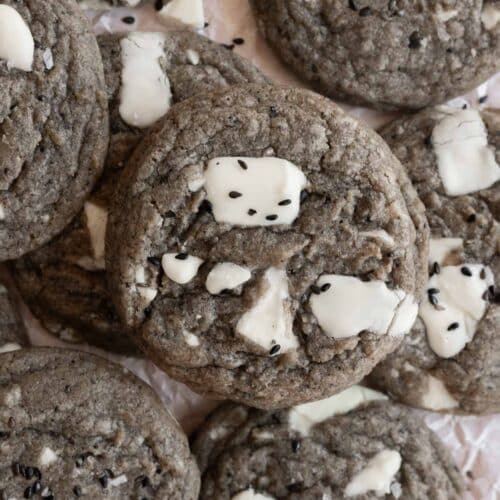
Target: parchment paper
column 473, row 441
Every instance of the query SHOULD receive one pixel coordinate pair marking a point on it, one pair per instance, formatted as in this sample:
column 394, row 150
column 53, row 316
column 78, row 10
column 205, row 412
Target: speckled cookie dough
column 74, row 425
column 267, row 254
column 64, row 282
column 451, row 359
column 12, row 333
column 385, row 54
column 353, row 444
column 53, row 120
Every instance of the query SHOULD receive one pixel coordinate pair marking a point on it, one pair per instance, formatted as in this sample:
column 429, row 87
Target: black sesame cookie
column 12, row 333
column 451, row 359
column 64, row 282
column 72, row 424
column 259, row 222
column 53, row 120
column 352, row 444
column 385, row 54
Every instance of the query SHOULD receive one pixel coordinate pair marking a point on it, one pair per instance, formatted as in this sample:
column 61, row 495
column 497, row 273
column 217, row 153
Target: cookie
column 64, row 282
column 54, row 120
column 353, row 444
column 451, row 359
column 12, row 333
column 267, row 253
column 387, row 55
column 72, row 424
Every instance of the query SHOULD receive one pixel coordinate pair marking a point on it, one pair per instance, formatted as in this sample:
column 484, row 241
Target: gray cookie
column 53, row 120
column 64, row 282
column 385, row 54
column 348, row 445
column 451, row 359
column 12, row 332
column 259, row 222
column 72, row 424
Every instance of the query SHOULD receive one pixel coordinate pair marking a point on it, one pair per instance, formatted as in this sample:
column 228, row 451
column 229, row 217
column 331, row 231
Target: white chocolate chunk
column 17, row 46
column 269, row 322
column 466, row 162
column 2, row 212
column 191, row 339
column 251, row 494
column 254, row 191
column 189, row 12
column 9, row 347
column 437, row 396
column 490, row 16
column 193, row 56
column 440, row 248
column 303, row 417
column 47, row 457
column 181, row 268
column 147, row 293
column 377, row 476
column 118, row 481
column 226, row 276
column 379, row 235
column 97, row 220
column 445, row 15
column 452, row 323
column 349, row 306
column 145, row 92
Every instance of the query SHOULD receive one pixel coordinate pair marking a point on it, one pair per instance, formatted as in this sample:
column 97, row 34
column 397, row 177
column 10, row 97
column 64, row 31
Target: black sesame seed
column 486, row 296
column 205, row 206
column 352, row 5
column 77, row 491
column 470, row 474
column 271, row 217
column 295, row 445
column 109, row 473
column 182, row 256
column 365, row 11
column 326, row 287
column 234, row 195
column 453, row 326
column 464, row 106
column 169, row 215
column 471, row 218
column 28, row 492
column 315, row 289
column 433, row 300
column 482, row 274
column 159, row 4
column 252, row 212
column 436, row 268
column 415, row 40
column 128, row 19
column 284, row 203
column 432, row 291
column 29, row 472
column 243, row 164
column 228, row 46
column 206, row 25
column 466, row 271
column 274, row 349
column 16, row 468
column 104, row 481
column 483, row 99
column 156, row 261
column 238, row 41
column 36, row 487
column 273, row 112
column 303, row 196
column 142, row 481
column 37, row 473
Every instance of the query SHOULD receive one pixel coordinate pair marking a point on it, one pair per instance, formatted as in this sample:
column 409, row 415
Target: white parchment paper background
column 473, row 441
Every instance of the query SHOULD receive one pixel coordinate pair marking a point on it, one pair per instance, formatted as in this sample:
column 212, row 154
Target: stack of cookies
column 160, row 197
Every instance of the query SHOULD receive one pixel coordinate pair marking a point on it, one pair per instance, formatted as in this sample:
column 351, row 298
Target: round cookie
column 385, row 54
column 12, row 333
column 54, row 120
column 451, row 359
column 262, row 225
column 64, row 282
column 351, row 444
column 72, row 424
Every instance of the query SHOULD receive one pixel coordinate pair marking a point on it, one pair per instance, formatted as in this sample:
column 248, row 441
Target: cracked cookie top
column 53, row 120
column 260, row 246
